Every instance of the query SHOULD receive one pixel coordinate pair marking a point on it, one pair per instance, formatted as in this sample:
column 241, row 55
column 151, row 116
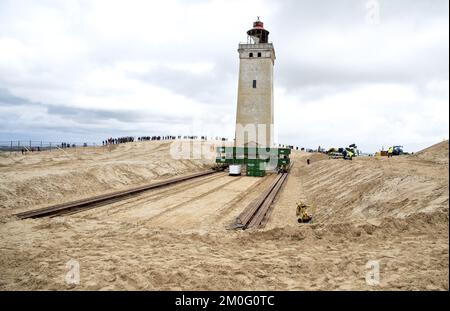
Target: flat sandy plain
column 391, row 211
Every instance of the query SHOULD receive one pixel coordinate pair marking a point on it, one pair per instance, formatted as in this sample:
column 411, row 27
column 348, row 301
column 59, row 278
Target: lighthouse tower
column 254, row 116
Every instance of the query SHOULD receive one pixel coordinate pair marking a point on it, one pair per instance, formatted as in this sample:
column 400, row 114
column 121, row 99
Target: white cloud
column 145, row 67
column 368, row 115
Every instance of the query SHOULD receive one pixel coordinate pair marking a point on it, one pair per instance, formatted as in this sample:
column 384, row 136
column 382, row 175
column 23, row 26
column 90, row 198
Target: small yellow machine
column 302, row 214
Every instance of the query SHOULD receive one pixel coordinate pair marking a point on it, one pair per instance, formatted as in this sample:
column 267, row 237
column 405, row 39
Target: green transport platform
column 256, row 160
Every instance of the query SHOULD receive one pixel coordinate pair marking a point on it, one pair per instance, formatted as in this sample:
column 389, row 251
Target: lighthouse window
column 254, row 84
column 250, row 55
column 259, row 54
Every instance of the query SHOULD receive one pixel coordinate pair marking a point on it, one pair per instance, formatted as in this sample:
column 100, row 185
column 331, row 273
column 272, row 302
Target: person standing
column 390, row 152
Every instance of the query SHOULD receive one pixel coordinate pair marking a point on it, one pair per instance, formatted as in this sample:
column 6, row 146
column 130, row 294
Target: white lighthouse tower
column 254, row 116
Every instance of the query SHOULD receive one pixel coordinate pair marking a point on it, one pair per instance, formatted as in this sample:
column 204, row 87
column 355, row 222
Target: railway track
column 153, row 196
column 257, row 213
column 96, row 201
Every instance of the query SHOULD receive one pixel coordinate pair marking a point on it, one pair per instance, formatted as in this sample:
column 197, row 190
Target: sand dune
column 436, row 153
column 393, row 211
column 41, row 179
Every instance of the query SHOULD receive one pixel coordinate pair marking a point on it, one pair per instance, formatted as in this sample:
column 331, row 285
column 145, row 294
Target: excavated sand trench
column 394, row 211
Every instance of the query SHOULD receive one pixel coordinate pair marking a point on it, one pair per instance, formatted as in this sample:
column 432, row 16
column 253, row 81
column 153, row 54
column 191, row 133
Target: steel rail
column 256, row 214
column 79, row 205
column 264, row 209
column 249, row 212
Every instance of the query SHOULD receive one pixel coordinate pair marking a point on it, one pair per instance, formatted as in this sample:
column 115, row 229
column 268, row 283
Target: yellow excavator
column 302, row 214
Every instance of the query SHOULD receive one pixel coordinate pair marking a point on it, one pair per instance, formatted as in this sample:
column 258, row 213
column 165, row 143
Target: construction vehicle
column 343, row 153
column 397, row 150
column 333, row 153
column 348, row 153
column 302, row 214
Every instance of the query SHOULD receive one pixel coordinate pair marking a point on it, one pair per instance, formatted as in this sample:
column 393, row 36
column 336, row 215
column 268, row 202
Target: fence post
column 50, row 146
column 30, row 144
column 10, row 150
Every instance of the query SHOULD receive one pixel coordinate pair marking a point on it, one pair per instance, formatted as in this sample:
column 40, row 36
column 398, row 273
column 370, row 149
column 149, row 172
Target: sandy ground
column 392, row 211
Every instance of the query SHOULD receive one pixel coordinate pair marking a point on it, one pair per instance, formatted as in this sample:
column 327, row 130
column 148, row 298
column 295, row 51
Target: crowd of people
column 120, row 140
column 67, row 145
column 289, row 146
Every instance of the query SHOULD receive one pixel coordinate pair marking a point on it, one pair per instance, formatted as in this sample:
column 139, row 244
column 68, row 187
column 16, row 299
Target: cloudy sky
column 369, row 72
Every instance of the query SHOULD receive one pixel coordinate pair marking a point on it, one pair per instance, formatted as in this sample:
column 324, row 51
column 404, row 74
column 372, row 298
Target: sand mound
column 417, row 223
column 436, row 153
column 41, row 179
column 362, row 190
